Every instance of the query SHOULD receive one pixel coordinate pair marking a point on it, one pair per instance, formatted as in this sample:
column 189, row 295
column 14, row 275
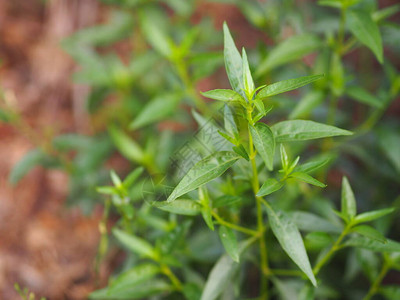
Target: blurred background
column 52, row 86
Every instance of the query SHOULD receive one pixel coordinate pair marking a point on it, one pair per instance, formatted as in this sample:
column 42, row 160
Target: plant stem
column 260, row 224
column 233, row 226
column 375, row 286
column 175, row 281
column 334, row 248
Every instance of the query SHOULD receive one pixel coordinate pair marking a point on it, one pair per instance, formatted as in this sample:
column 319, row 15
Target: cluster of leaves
column 259, row 198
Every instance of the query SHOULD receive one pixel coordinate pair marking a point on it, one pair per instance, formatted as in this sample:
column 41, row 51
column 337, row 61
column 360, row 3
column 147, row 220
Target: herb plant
column 233, row 191
column 239, row 209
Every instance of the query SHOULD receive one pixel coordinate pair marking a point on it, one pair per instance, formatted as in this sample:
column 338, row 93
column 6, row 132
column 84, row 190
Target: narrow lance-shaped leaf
column 361, row 95
column 369, row 232
column 181, row 207
column 366, row 31
column 229, row 241
column 229, row 122
column 301, row 130
column 206, row 207
column 264, row 142
column 291, row 49
column 222, row 95
column 286, row 85
column 291, row 241
column 349, row 208
column 307, row 178
column 127, row 146
column 372, row 215
column 134, row 243
column 373, row 245
column 233, row 62
column 156, row 110
column 134, row 276
column 310, row 222
column 247, row 78
column 29, row 161
column 270, row 186
column 204, row 171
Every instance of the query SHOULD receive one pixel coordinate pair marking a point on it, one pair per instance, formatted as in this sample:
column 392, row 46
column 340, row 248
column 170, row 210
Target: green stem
column 375, row 286
column 260, row 223
column 233, row 226
column 175, row 281
column 335, row 247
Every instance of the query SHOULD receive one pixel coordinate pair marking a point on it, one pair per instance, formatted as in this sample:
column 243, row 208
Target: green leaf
column 264, row 142
column 233, row 62
column 29, row 161
column 367, row 243
column 389, row 142
column 181, row 207
column 286, row 85
column 301, row 130
column 132, row 177
column 291, row 49
column 306, row 104
column 229, row 241
column 154, row 32
column 361, row 95
column 337, row 75
column 229, row 123
column 156, row 110
column 204, row 171
column 315, row 163
column 284, row 158
column 134, row 244
column 247, row 78
column 291, row 241
column 169, row 241
column 127, row 146
column 349, row 207
column 139, row 291
column 222, row 95
column 134, row 276
column 219, row 277
column 366, row 31
column 369, row 232
column 372, row 215
column 310, row 222
column 206, row 207
column 307, row 178
column 390, row 292
column 317, row 240
column 269, row 186
column 241, row 151
column 226, row 200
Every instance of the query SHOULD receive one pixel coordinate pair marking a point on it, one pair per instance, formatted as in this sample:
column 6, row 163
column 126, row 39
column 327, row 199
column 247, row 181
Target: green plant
column 256, row 195
column 25, row 294
column 229, row 197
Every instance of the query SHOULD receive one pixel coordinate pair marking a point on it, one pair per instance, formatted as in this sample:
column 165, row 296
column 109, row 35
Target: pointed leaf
column 247, row 78
column 206, row 207
column 291, row 49
column 29, row 161
column 372, row 215
column 349, row 208
column 181, row 207
column 229, row 122
column 366, row 31
column 269, row 186
column 286, row 85
column 291, row 241
column 301, row 130
column 241, row 151
column 155, row 110
column 204, row 171
column 229, row 241
column 369, row 232
column 367, row 243
column 125, row 144
column 308, row 179
column 361, row 95
column 233, row 62
column 222, row 95
column 134, row 276
column 310, row 222
column 264, row 142
column 315, row 163
column 134, row 243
